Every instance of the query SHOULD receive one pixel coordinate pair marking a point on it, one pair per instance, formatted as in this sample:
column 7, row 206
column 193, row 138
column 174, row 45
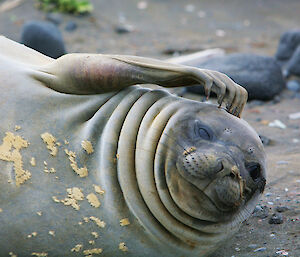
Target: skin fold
column 93, row 164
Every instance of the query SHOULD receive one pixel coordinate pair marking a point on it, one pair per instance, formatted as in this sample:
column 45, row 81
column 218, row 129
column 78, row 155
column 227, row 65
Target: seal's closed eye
column 202, row 131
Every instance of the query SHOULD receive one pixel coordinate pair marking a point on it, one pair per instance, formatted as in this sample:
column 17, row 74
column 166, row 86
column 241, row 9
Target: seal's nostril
column 254, row 170
column 232, row 175
column 220, row 166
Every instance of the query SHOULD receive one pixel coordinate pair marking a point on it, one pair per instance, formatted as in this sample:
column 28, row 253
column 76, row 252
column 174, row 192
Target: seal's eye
column 202, row 132
column 254, row 170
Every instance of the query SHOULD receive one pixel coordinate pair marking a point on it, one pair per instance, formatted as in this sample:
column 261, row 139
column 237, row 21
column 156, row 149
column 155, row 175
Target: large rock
column 44, row 37
column 293, row 65
column 260, row 75
column 288, row 43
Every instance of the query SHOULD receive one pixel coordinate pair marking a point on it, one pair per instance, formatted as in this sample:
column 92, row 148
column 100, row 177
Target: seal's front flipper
column 94, row 74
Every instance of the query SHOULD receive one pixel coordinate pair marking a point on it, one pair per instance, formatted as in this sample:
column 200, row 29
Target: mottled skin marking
column 82, row 172
column 87, row 146
column 10, row 151
column 123, row 247
column 89, row 252
column 50, row 141
column 43, row 254
column 77, row 248
column 98, row 189
column 100, row 223
column 74, row 195
column 93, row 200
column 124, row 222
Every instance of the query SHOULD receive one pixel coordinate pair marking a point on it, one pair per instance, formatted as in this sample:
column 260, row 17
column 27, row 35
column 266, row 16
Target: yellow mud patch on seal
column 39, row 213
column 92, row 242
column 123, row 247
column 189, row 150
column 82, row 172
column 124, row 222
column 87, row 146
column 7, row 153
column 12, row 254
column 51, row 232
column 43, row 254
column 100, row 223
column 93, row 200
column 33, row 234
column 74, row 195
column 95, row 234
column 17, row 127
column 92, row 251
column 77, row 248
column 50, row 141
column 98, row 190
column 32, row 161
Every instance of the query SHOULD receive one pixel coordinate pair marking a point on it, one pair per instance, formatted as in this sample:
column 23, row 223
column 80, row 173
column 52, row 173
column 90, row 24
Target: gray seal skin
column 93, row 165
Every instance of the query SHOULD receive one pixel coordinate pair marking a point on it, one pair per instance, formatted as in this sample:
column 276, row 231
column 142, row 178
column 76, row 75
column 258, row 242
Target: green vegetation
column 67, row 6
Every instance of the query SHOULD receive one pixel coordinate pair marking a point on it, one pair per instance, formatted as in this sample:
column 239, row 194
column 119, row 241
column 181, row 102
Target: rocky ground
column 161, row 28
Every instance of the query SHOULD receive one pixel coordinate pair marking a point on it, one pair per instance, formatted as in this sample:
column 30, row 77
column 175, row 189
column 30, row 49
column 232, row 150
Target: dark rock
column 288, row 43
column 282, row 208
column 44, row 37
column 260, row 75
column 71, row 26
column 293, row 65
column 254, row 103
column 276, row 219
column 54, row 17
column 123, row 29
column 266, row 141
column 276, row 99
column 261, row 212
column 293, row 85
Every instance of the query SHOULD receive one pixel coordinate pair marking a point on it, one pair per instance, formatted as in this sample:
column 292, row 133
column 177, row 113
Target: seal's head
column 219, row 171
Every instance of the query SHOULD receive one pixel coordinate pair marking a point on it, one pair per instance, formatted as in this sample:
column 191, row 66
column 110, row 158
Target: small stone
column 123, row 29
column 261, row 212
column 261, row 249
column 54, row 17
column 252, row 246
column 294, row 116
column 190, row 8
column 276, row 218
column 293, row 85
column 281, row 208
column 282, row 162
column 71, row 26
column 277, row 124
column 142, row 5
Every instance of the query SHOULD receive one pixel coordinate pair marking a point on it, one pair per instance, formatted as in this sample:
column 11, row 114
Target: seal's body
column 133, row 172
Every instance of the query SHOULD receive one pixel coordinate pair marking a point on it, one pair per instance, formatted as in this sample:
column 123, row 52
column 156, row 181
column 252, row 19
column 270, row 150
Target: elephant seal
column 92, row 165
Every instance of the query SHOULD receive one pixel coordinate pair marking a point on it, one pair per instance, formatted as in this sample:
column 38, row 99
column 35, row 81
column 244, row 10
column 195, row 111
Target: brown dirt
column 249, row 26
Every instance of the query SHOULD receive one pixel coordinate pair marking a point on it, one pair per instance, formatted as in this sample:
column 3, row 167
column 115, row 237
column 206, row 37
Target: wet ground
column 163, row 27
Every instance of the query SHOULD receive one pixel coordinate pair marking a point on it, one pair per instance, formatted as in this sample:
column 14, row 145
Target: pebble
column 261, row 249
column 54, row 17
column 293, row 85
column 276, row 218
column 268, row 194
column 189, row 8
column 277, row 124
column 252, row 246
column 123, row 29
column 282, row 162
column 294, row 116
column 281, row 208
column 142, row 5
column 261, row 212
column 71, row 26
